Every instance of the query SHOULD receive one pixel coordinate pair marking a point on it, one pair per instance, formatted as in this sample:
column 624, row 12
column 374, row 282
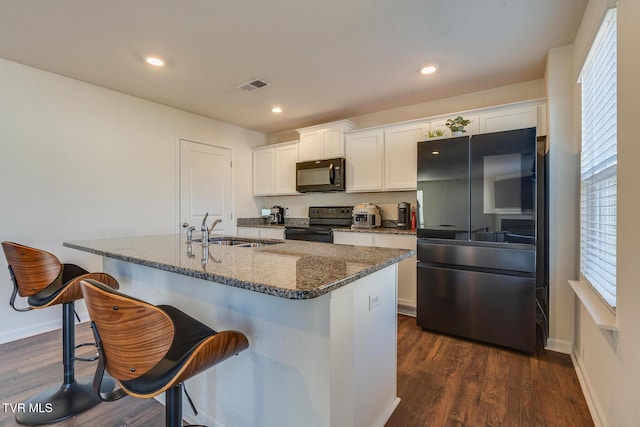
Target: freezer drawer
column 494, row 308
column 514, row 257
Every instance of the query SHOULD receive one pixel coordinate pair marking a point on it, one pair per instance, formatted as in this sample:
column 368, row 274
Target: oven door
column 309, row 234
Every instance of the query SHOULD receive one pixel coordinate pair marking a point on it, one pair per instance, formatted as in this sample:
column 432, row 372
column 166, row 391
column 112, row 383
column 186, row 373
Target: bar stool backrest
column 32, row 269
column 135, row 335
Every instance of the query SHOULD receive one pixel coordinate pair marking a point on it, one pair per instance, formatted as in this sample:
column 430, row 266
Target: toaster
column 366, row 215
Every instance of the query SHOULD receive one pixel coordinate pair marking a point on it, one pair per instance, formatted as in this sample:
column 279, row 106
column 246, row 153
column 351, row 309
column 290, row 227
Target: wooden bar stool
column 39, row 276
column 152, row 349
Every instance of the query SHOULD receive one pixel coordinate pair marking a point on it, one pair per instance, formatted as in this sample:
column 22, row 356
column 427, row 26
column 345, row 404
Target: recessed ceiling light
column 435, row 153
column 276, row 110
column 429, row 69
column 152, row 60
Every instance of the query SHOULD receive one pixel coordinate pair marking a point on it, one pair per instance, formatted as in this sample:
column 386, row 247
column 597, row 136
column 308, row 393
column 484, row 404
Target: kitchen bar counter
column 304, row 269
column 321, row 320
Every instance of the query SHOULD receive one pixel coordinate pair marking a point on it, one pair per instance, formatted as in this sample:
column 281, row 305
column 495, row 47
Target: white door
column 205, row 186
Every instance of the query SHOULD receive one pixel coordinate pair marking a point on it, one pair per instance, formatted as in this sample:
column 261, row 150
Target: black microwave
column 320, row 176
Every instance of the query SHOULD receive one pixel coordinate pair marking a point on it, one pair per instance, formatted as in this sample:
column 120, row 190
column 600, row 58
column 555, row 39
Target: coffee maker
column 277, row 215
column 404, row 216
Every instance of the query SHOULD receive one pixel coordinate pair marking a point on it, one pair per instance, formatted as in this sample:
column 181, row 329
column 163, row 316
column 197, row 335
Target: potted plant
column 435, row 134
column 456, row 126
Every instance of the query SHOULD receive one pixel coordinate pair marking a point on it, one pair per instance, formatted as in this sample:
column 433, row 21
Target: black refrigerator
column 481, row 238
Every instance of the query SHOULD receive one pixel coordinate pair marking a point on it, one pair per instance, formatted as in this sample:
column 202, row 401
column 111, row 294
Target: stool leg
column 173, row 406
column 72, row 397
column 68, row 344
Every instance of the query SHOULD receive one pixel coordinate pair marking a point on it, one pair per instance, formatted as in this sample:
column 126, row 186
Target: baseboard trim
column 407, row 311
column 592, row 404
column 30, row 331
column 561, row 346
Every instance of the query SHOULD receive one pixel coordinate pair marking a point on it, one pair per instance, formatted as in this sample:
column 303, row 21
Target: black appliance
column 277, row 213
column 404, row 216
column 482, row 269
column 320, row 176
column 322, row 219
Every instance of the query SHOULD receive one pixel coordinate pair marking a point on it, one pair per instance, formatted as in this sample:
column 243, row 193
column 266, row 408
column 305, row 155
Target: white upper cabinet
column 274, row 169
column 263, row 168
column 508, row 119
column 384, row 159
column 400, row 155
column 311, row 145
column 286, row 157
column 365, row 151
column 323, row 141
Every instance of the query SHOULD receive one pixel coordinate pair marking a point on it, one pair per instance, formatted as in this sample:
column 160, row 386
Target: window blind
column 598, row 199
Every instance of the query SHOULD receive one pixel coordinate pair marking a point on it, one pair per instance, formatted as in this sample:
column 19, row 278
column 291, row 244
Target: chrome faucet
column 205, row 230
column 190, row 229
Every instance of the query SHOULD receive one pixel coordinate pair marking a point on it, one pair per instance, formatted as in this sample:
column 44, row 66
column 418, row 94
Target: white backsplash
column 298, row 206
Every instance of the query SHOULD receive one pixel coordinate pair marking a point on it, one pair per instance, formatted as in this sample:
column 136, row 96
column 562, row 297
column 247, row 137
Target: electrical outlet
column 374, row 301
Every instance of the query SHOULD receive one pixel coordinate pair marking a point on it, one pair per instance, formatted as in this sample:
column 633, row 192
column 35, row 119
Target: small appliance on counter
column 266, row 216
column 277, row 214
column 366, row 215
column 404, row 218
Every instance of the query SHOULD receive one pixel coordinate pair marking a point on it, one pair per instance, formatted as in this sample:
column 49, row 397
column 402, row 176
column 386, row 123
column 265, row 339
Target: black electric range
column 321, row 221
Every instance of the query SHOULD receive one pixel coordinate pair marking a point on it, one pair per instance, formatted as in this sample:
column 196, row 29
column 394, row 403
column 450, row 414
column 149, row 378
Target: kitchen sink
column 241, row 242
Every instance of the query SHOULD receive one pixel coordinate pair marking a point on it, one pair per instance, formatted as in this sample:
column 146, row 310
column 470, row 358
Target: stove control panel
column 331, row 212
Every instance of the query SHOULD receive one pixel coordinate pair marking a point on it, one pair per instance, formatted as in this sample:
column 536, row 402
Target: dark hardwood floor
column 33, row 364
column 445, row 381
column 442, row 381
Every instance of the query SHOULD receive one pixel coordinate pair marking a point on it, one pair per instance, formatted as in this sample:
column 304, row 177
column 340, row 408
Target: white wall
column 609, row 364
column 78, row 162
column 564, row 170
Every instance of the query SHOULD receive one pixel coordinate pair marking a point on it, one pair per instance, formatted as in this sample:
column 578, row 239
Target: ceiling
column 325, row 59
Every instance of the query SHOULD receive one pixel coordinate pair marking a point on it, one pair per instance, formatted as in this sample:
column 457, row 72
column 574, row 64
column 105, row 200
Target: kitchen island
column 320, row 318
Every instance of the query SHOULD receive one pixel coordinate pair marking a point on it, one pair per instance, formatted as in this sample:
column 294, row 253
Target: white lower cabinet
column 407, row 279
column 261, row 232
column 272, row 233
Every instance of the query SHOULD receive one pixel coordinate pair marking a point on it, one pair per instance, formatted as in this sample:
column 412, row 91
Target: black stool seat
column 152, row 349
column 190, row 334
column 48, row 295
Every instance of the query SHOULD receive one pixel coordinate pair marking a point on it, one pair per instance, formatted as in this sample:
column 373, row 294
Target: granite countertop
column 291, row 269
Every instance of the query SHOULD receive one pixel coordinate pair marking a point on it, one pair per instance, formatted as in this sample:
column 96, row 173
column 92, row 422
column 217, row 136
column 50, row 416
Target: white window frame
column 598, row 174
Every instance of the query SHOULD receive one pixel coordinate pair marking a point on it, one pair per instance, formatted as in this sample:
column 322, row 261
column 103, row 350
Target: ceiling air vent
column 252, row 85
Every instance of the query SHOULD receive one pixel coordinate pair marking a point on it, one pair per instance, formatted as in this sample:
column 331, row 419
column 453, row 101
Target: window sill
column 602, row 316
